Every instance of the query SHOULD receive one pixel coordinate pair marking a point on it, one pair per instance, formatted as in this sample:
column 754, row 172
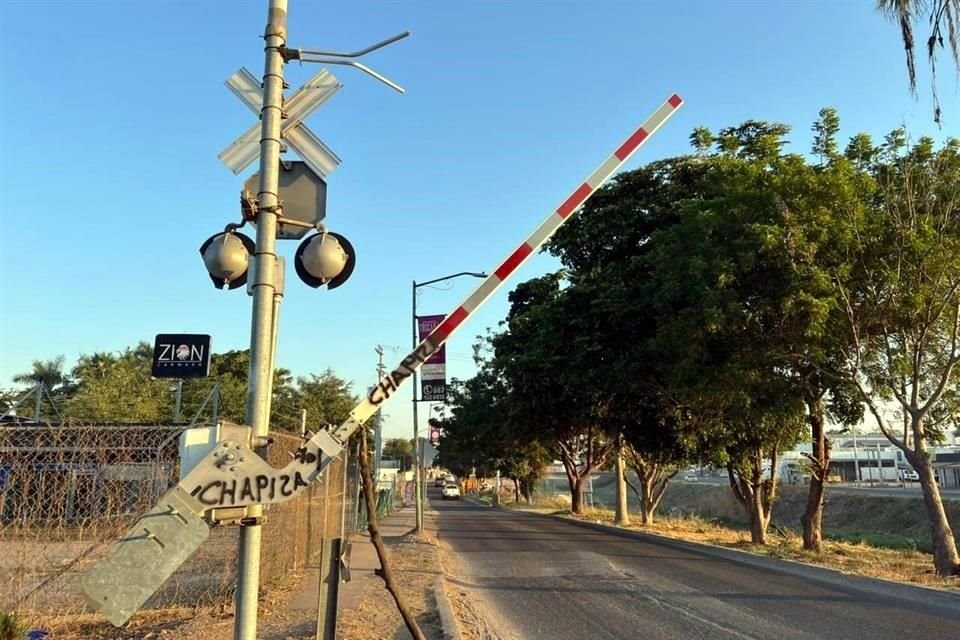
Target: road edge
column 448, row 619
column 449, row 623
column 915, row 593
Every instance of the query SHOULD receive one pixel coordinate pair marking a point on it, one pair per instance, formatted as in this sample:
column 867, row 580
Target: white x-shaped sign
column 308, row 146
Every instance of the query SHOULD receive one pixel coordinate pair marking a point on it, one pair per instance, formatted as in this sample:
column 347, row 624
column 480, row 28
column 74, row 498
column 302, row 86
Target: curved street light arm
column 358, row 65
column 417, row 285
column 356, row 54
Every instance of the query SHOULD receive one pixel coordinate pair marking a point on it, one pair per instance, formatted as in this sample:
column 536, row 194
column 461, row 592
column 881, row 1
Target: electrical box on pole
column 303, row 194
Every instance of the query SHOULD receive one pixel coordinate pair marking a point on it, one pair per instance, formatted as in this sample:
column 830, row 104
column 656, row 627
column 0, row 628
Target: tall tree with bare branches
column 901, row 297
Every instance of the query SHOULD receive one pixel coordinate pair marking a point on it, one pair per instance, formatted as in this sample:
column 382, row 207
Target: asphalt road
column 535, row 577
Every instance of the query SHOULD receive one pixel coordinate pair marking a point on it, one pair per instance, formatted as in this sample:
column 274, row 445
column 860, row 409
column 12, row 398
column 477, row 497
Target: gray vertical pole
column 39, row 388
column 260, row 379
column 176, row 404
column 880, row 464
column 856, row 457
column 416, row 465
column 216, row 404
column 378, row 425
column 303, row 423
column 329, row 573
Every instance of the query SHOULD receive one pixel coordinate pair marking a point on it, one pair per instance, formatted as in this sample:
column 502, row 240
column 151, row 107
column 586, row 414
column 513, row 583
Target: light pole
column 417, row 474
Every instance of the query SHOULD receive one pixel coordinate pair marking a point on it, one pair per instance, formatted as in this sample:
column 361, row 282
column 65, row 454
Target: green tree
column 711, row 259
column 478, row 434
column 49, row 372
column 326, row 398
column 118, row 388
column 400, row 449
column 546, row 359
column 230, row 370
column 825, row 131
column 943, row 17
column 901, row 302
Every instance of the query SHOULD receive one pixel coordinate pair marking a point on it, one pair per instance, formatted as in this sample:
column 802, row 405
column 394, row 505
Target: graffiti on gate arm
column 252, row 489
column 258, row 488
column 395, row 378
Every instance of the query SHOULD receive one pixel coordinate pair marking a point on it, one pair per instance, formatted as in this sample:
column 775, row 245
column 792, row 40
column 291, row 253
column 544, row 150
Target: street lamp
column 417, row 473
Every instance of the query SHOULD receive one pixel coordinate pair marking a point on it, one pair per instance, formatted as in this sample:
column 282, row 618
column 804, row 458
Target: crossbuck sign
column 245, row 149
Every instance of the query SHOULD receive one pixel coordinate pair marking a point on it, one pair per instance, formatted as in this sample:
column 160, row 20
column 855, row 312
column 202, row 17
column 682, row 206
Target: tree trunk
column 516, row 490
column 622, row 514
column 812, row 517
column 945, row 558
column 759, row 519
column 749, row 492
column 576, row 496
column 646, row 500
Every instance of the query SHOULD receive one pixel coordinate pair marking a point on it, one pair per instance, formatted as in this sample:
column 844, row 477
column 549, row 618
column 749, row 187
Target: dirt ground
column 416, row 566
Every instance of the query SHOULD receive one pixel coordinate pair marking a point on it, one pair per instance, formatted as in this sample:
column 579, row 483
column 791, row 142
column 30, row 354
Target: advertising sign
column 433, row 373
column 181, row 355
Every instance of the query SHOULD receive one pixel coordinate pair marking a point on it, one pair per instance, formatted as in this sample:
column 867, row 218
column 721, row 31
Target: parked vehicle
column 691, row 477
column 450, row 492
column 909, row 475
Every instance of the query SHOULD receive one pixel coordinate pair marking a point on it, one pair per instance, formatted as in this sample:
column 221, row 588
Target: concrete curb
column 918, row 594
column 448, row 619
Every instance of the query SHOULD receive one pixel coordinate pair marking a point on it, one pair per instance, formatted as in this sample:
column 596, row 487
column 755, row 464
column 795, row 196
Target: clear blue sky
column 112, row 115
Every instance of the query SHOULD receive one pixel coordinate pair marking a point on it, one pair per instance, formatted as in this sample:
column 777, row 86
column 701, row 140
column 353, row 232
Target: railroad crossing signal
column 235, row 476
column 245, row 149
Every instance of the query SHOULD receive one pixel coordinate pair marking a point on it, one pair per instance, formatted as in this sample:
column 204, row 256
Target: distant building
column 872, row 455
column 946, row 468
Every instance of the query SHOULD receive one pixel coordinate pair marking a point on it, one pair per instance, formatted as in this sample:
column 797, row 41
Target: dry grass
column 415, row 565
column 857, row 559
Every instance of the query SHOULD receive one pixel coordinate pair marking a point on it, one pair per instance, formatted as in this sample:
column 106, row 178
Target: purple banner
column 433, row 373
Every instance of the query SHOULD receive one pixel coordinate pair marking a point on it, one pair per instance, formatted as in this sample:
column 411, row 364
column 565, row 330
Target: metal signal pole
column 260, row 378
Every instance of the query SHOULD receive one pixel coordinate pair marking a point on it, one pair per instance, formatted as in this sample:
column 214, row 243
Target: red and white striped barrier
column 393, row 380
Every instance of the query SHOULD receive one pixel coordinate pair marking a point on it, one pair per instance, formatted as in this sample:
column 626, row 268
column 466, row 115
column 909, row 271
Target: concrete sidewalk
column 363, row 562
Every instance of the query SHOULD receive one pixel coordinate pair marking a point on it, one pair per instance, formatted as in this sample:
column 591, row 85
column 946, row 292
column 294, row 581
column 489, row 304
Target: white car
column 909, row 474
column 691, row 477
column 450, row 492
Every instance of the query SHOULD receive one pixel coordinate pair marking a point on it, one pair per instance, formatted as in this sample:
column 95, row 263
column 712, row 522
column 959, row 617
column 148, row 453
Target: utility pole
column 416, row 431
column 378, row 426
column 418, row 488
column 260, row 378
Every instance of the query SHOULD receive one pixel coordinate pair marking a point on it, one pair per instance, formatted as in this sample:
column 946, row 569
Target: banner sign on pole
column 433, row 373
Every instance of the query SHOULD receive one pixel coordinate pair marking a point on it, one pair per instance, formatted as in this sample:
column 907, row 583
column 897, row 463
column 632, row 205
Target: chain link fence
column 68, row 491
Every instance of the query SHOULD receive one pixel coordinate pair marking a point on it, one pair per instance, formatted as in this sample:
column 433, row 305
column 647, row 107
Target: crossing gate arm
column 385, row 389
